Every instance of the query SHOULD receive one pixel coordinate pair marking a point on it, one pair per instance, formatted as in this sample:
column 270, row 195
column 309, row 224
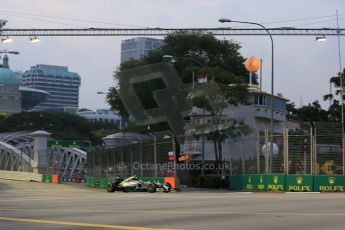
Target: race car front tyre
column 166, row 187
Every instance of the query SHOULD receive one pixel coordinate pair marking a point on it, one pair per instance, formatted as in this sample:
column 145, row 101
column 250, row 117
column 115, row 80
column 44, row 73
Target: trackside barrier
column 55, row 179
column 299, row 183
column 47, row 178
column 20, row 176
column 94, row 182
column 290, row 183
column 259, row 182
column 331, row 183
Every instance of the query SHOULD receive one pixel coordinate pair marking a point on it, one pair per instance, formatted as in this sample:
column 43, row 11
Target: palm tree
column 335, row 81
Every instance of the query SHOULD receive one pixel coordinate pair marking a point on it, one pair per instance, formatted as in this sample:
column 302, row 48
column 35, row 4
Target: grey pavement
column 30, row 205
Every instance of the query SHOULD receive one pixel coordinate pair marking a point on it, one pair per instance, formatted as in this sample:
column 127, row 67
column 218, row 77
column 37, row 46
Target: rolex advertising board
column 288, row 183
column 299, row 183
column 329, row 183
column 275, row 182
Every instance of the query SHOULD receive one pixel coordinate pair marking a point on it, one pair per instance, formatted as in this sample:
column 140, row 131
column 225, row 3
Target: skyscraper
column 137, row 48
column 62, row 85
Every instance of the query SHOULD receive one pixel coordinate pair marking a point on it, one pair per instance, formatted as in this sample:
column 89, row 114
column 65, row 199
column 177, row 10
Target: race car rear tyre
column 110, row 188
column 151, row 188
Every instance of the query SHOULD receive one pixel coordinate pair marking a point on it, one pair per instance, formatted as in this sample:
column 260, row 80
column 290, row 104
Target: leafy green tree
column 202, row 54
column 312, row 113
column 62, row 125
column 335, row 81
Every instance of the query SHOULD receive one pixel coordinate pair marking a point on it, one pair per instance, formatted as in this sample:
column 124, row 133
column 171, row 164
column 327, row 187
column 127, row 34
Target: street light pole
column 173, row 59
column 222, row 20
column 341, row 95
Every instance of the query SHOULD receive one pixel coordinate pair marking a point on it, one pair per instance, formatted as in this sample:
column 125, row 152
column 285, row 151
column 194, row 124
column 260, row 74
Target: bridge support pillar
column 40, row 160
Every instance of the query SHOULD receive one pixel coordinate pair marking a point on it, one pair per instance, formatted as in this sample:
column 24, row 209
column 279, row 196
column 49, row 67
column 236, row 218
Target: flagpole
column 193, row 76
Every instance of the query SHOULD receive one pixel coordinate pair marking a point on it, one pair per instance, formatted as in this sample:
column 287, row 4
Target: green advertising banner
column 326, row 183
column 275, row 182
column 248, row 182
column 259, row 182
column 67, row 143
column 299, row 183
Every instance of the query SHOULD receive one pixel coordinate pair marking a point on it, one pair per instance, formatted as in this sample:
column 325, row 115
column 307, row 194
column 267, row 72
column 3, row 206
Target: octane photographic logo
column 174, row 102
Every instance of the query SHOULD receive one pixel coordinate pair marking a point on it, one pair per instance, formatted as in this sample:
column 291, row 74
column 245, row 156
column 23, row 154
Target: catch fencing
column 142, row 156
column 313, row 149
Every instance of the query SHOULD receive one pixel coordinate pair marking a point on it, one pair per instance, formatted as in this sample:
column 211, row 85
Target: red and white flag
column 202, row 79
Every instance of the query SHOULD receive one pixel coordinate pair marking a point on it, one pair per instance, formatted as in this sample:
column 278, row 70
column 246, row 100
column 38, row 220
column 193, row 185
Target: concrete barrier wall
column 21, row 176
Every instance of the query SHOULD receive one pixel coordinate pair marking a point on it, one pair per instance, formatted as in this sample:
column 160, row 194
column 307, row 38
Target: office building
column 137, row 48
column 61, row 84
column 102, row 115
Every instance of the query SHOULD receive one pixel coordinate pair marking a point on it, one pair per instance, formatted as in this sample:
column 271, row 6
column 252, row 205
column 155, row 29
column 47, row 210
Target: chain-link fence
column 133, row 154
column 314, row 148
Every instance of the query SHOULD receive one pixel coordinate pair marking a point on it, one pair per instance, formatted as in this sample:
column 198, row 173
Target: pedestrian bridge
column 17, row 153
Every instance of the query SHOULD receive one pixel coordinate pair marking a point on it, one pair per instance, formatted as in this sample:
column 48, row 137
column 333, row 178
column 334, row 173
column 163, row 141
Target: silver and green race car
column 133, row 183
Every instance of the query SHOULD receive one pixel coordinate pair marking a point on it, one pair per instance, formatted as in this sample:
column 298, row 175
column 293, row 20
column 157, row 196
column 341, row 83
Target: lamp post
column 222, row 20
column 322, row 38
column 173, row 59
column 341, row 94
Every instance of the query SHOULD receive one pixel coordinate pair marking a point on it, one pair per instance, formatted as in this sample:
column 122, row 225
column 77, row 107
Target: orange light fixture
column 252, row 64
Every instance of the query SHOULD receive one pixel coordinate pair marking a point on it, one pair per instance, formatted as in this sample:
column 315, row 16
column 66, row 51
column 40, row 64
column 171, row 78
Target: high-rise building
column 62, row 85
column 137, row 48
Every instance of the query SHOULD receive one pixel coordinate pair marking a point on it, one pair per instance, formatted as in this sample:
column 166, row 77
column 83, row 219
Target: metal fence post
column 132, row 168
column 311, row 151
column 343, row 149
column 266, row 151
column 286, row 150
column 155, row 153
column 141, row 157
column 315, row 150
column 257, row 152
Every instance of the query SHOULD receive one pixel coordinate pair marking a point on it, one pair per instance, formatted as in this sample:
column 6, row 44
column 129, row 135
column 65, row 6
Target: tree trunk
column 216, row 152
column 220, row 152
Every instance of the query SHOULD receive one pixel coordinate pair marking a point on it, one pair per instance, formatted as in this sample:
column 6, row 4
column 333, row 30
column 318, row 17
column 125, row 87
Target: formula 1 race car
column 133, row 183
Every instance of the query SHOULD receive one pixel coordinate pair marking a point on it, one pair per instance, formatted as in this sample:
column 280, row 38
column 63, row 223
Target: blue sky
column 302, row 66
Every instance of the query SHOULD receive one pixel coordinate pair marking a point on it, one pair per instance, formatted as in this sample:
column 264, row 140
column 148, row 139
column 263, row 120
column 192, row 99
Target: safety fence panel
column 328, row 148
